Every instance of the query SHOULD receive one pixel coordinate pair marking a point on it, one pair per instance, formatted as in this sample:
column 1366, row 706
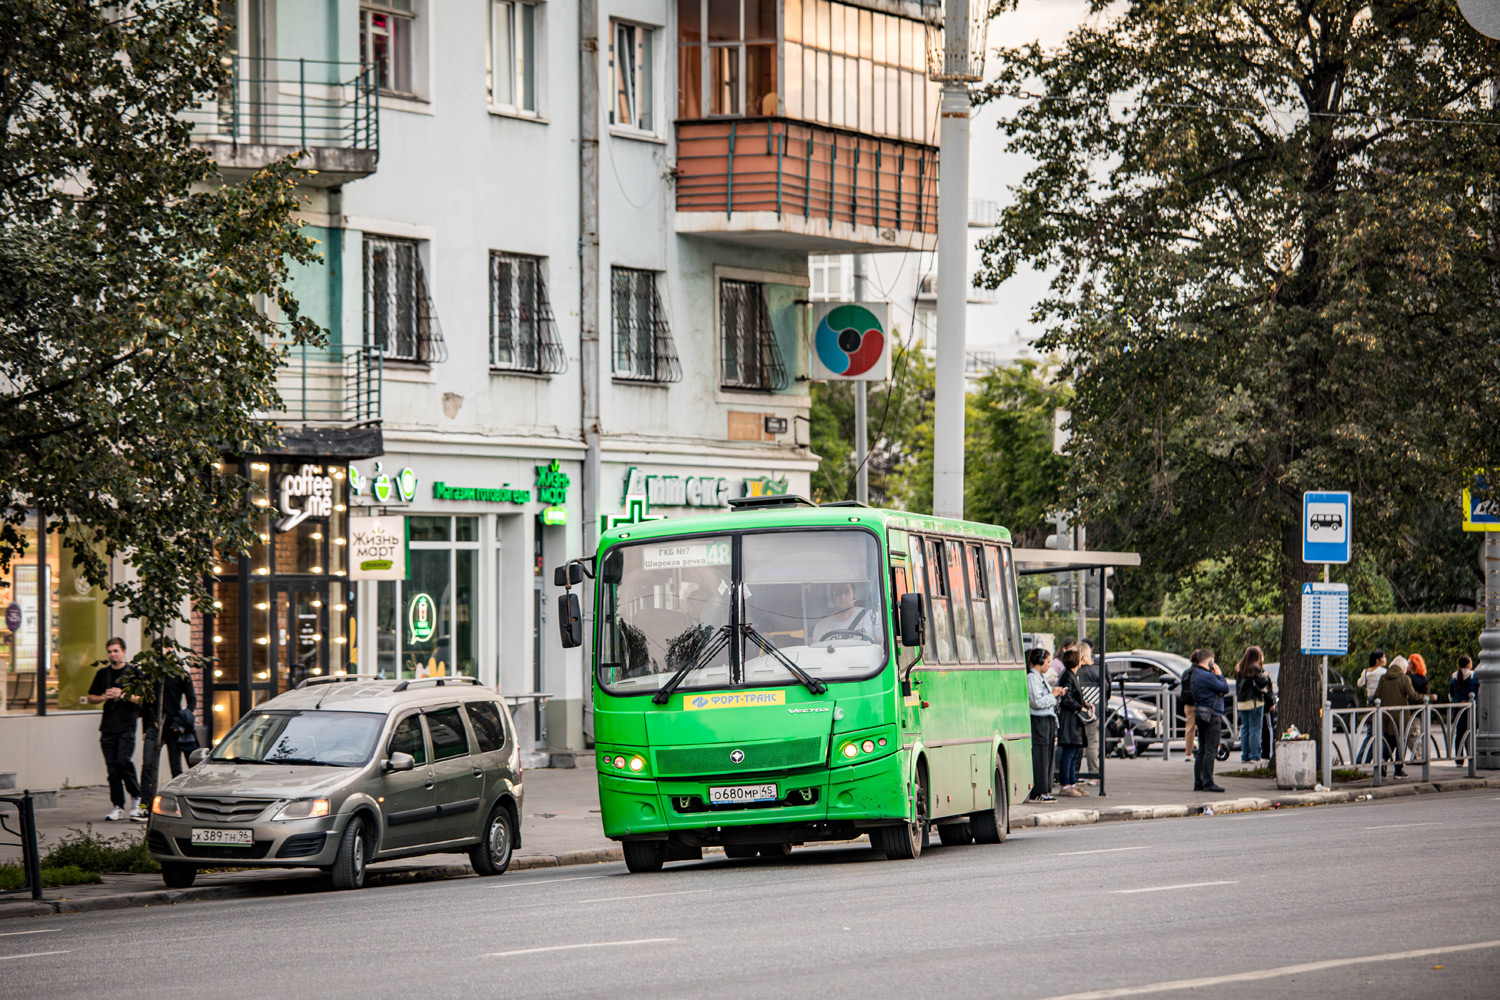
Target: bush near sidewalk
column 13, row 876
column 1441, row 639
column 92, row 852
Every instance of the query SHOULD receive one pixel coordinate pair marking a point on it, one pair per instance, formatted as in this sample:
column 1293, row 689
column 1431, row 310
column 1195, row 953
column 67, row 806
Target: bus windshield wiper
column 713, row 648
column 813, row 684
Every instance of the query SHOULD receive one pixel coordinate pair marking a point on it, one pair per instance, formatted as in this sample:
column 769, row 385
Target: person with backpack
column 1251, row 696
column 1209, row 688
column 1394, row 694
column 1463, row 688
column 165, row 723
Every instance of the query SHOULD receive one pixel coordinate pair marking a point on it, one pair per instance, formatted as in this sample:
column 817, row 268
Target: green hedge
column 1441, row 639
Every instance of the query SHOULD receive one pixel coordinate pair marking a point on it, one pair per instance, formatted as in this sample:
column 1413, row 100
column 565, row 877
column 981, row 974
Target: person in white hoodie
column 1042, row 700
column 1370, row 679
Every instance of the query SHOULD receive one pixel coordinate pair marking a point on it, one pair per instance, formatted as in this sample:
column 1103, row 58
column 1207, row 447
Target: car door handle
column 429, row 782
column 478, row 773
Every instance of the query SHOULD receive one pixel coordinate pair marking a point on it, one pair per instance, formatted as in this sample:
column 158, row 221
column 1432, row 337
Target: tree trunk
column 1298, row 686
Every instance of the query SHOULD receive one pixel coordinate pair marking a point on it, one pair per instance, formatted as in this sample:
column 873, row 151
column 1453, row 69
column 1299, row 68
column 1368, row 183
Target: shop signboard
column 13, row 616
column 421, row 619
column 306, row 493
column 377, row 548
column 382, row 487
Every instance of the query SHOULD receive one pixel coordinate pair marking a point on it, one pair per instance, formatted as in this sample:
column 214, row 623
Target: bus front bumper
column 856, row 795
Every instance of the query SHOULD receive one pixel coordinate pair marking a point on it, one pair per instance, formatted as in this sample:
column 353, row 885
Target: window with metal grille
column 751, row 358
column 643, row 341
column 523, row 334
column 399, row 316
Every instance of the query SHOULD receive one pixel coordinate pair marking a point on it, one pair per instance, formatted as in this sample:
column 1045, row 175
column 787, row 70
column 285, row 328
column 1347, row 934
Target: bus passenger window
column 984, row 638
column 938, row 619
column 963, row 621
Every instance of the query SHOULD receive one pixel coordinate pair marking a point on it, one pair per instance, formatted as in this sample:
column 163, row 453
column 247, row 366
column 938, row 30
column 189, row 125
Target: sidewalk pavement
column 561, row 827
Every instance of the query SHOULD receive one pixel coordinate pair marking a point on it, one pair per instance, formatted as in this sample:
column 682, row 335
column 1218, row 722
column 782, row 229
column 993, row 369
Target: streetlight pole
column 958, row 62
column 861, row 402
column 1487, row 725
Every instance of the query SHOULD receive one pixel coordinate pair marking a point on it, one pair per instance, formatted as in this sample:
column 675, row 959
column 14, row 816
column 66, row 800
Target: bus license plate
column 732, row 795
column 244, row 838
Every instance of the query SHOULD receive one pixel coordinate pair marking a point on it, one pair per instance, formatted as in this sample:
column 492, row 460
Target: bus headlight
column 850, row 750
column 637, row 763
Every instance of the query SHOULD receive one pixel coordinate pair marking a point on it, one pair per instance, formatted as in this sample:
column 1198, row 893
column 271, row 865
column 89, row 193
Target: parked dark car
column 1341, row 693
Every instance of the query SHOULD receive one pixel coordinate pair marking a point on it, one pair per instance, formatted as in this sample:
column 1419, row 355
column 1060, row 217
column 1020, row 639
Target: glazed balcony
column 778, row 182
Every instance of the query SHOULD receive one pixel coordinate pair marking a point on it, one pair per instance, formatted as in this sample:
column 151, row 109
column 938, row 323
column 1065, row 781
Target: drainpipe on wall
column 588, row 282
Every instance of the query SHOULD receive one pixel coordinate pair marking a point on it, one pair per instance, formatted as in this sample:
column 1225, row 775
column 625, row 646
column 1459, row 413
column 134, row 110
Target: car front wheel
column 349, row 866
column 491, row 856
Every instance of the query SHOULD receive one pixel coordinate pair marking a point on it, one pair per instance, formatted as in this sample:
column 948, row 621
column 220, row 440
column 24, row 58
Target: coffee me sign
column 377, row 548
column 309, row 493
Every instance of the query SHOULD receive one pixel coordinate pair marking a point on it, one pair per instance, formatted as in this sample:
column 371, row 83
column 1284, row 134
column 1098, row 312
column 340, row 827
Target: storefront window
column 427, row 624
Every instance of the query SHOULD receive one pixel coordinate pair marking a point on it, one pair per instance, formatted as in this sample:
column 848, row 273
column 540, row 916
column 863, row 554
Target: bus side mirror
column 911, row 618
column 567, row 576
column 569, row 620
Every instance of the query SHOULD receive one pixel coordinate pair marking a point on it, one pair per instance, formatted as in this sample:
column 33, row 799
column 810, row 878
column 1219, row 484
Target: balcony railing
column 330, row 386
column 300, row 104
column 806, row 173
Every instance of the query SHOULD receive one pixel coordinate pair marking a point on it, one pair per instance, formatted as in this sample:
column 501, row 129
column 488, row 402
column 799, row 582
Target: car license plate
column 205, row 836
column 732, row 795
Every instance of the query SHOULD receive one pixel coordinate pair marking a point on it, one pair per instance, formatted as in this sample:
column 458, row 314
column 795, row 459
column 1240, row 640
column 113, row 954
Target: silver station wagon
column 344, row 771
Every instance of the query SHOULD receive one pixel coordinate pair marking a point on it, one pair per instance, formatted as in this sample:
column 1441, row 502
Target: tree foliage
column 898, row 412
column 1270, row 224
column 135, row 346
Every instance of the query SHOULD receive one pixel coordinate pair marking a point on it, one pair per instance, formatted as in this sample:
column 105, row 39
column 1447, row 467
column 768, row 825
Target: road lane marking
column 35, row 954
column 570, row 947
column 49, row 930
column 1164, row 888
column 545, row 881
column 1103, row 850
column 644, row 895
column 1398, row 826
column 1258, row 974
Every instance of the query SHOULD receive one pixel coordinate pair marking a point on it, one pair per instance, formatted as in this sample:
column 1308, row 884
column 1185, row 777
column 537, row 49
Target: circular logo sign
column 421, row 618
column 738, row 756
column 849, row 340
column 406, row 483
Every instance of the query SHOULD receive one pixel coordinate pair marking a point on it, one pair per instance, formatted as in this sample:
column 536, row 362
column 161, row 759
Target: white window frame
column 408, row 50
column 634, row 75
column 518, row 71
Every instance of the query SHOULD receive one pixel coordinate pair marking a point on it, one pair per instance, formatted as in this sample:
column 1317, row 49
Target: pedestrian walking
column 1395, row 693
column 1209, row 689
column 1251, row 696
column 1185, row 698
column 1370, row 679
column 1072, row 731
column 117, row 730
column 1463, row 687
column 165, row 723
column 1042, row 699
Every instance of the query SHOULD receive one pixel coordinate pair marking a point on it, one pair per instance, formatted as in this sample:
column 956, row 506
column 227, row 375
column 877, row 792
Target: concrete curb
column 1085, row 817
column 434, row 873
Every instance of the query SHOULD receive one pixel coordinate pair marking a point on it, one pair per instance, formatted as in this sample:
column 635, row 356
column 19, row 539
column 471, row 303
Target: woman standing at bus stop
column 1252, row 694
column 1042, row 700
column 1072, row 733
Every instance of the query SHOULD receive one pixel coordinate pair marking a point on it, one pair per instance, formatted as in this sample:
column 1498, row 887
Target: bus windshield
column 739, row 606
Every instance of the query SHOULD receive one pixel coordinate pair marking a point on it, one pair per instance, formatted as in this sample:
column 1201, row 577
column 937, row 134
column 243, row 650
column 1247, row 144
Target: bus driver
column 846, row 617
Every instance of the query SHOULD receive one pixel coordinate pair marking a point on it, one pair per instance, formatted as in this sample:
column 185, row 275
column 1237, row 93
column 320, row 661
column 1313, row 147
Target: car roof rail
column 336, row 679
column 437, row 681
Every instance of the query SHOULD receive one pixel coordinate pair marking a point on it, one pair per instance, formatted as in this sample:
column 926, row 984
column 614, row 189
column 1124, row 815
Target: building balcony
column 330, row 401
column 328, row 112
column 776, row 182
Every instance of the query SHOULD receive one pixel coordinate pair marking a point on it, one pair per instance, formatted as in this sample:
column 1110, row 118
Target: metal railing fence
column 330, row 385
column 304, row 103
column 1377, row 736
column 26, row 840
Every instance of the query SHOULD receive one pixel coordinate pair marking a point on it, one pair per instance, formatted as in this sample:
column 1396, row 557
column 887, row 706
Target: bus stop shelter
column 1031, row 562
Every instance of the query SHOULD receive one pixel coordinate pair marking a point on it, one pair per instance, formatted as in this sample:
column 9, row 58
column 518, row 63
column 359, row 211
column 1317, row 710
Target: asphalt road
column 1312, row 902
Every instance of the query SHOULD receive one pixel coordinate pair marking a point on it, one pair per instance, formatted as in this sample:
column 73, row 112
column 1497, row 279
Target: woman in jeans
column 1252, row 692
column 1072, row 733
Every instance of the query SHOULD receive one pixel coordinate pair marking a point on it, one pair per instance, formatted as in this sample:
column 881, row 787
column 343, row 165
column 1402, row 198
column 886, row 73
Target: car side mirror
column 570, row 620
column 567, row 576
column 399, row 761
column 911, row 618
column 198, row 756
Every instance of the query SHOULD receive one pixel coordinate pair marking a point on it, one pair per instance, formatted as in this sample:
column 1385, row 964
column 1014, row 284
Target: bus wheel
column 991, row 826
column 644, row 855
column 741, row 850
column 904, row 841
column 955, row 834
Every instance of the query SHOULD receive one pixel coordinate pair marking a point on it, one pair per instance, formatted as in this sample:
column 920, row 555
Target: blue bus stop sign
column 1325, row 527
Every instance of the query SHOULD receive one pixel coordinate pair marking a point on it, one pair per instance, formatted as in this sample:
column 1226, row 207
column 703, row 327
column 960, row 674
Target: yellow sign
column 740, row 699
column 1480, row 515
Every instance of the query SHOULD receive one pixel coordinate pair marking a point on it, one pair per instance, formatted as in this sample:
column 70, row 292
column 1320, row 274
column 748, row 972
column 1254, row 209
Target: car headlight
column 166, row 805
column 303, row 809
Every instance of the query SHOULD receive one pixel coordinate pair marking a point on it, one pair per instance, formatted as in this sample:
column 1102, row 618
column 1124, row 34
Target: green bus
column 787, row 673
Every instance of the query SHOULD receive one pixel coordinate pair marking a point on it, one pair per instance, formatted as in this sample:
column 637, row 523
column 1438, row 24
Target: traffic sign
column 1325, row 619
column 1480, row 515
column 1325, row 527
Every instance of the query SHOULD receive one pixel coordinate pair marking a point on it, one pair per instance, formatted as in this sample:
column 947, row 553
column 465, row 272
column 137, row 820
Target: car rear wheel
column 645, row 855
column 178, row 875
column 349, row 866
column 491, row 856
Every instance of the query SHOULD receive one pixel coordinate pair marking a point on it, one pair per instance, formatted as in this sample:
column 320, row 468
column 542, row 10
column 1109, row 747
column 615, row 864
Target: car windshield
column 737, row 608
column 331, row 739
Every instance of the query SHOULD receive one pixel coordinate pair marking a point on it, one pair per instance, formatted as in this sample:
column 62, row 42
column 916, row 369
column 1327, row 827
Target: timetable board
column 1325, row 619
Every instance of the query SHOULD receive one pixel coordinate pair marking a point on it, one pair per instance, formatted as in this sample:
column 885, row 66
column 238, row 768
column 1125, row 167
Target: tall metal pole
column 588, row 301
column 1487, row 725
column 953, row 267
column 861, row 402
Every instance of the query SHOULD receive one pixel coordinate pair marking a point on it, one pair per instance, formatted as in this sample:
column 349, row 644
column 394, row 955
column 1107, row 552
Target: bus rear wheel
column 644, row 855
column 955, row 834
column 991, row 826
column 904, row 841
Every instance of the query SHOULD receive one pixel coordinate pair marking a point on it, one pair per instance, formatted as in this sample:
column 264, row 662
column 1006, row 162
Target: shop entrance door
column 300, row 647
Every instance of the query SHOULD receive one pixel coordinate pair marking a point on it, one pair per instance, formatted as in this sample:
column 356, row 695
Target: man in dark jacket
column 1209, row 688
column 117, row 722
column 1463, row 687
column 1395, row 692
column 163, row 724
